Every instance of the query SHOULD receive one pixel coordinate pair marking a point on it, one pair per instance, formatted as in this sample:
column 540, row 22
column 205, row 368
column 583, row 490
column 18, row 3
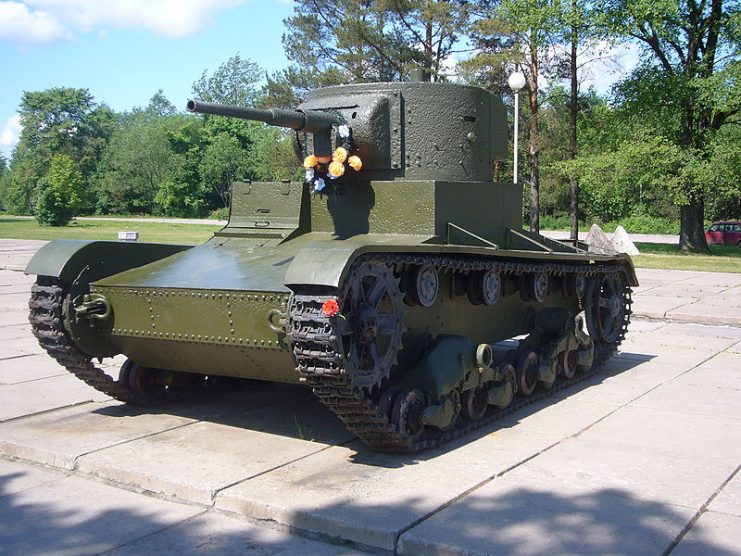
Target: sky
column 123, row 51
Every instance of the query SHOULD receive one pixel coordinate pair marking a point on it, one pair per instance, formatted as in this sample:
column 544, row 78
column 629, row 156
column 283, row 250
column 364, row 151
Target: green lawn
column 653, row 255
column 669, row 257
column 14, row 228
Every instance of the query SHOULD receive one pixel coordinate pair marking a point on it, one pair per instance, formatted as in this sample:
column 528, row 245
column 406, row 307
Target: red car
column 724, row 233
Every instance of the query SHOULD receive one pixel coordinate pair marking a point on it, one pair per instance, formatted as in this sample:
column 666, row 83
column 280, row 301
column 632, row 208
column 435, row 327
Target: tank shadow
column 292, row 411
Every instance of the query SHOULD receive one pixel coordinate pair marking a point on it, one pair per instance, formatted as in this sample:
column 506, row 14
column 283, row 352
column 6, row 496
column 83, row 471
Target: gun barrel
column 312, row 121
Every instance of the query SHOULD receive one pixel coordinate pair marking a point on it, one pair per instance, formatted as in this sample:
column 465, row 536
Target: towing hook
column 92, row 306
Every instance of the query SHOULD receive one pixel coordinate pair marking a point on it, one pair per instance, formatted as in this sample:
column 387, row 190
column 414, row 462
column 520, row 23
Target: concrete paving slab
column 714, row 533
column 707, row 312
column 16, row 477
column 699, row 332
column 728, row 500
column 694, row 398
column 26, row 345
column 371, row 498
column 651, row 306
column 721, row 371
column 13, row 277
column 27, row 398
column 15, row 302
column 74, row 517
column 644, row 451
column 59, row 437
column 9, row 318
column 641, row 326
column 28, row 368
column 212, row 533
column 12, row 332
column 181, row 462
column 19, row 288
column 735, row 348
column 536, row 517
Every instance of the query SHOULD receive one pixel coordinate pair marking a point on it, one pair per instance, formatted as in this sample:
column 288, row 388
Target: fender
column 66, row 258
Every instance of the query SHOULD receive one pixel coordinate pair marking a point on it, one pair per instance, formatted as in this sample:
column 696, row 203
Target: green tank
column 396, row 281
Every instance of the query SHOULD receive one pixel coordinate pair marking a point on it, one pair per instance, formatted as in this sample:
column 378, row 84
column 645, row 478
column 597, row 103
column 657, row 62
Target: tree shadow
column 127, row 523
column 501, row 517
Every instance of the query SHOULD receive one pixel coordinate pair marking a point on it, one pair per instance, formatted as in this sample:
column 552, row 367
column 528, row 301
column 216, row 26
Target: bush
column 643, row 224
column 219, row 214
column 59, row 193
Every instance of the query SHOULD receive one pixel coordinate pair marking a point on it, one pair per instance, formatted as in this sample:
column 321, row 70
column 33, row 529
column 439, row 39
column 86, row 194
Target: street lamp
column 516, row 82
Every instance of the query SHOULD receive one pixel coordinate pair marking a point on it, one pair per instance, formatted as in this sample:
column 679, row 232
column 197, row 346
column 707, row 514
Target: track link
column 318, row 354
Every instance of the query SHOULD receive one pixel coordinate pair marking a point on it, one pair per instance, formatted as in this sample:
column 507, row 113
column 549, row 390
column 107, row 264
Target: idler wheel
column 424, row 285
column 474, row 403
column 527, row 371
column 605, row 308
column 407, row 412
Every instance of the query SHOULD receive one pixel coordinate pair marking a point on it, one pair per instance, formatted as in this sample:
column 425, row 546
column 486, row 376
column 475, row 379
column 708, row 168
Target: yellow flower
column 339, row 155
column 355, row 163
column 310, row 161
column 336, row 169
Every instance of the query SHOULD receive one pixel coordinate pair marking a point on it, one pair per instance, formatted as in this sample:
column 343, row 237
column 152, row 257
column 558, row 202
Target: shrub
column 59, row 193
column 219, row 214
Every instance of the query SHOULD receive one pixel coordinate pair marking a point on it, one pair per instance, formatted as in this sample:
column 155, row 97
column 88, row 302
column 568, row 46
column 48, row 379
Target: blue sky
column 124, row 50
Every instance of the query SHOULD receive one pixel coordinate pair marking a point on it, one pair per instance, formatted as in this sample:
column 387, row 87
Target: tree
column 56, row 121
column 137, row 161
column 223, row 162
column 234, row 82
column 690, row 76
column 520, row 33
column 159, row 105
column 59, row 193
column 381, row 40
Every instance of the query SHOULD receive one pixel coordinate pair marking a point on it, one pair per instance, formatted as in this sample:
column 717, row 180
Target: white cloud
column 23, row 26
column 44, row 21
column 10, row 133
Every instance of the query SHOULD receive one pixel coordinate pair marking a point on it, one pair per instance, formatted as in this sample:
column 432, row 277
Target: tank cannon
column 407, row 295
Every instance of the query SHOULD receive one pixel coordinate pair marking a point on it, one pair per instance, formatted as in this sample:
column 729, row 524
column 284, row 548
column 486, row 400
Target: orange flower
column 331, row 308
column 355, row 163
column 310, row 161
column 339, row 155
column 336, row 169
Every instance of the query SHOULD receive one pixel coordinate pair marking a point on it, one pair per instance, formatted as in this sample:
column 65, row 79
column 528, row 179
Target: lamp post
column 516, row 82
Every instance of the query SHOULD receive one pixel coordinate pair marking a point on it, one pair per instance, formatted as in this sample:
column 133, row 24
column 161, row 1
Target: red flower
column 331, row 308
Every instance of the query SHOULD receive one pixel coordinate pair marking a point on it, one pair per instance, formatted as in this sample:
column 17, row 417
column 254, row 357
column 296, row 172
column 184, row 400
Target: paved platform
column 641, row 459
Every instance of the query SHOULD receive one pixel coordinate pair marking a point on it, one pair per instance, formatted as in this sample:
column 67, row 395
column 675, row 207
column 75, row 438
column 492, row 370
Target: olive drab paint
column 385, row 281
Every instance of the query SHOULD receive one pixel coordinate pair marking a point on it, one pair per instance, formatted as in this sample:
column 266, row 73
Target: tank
column 396, row 281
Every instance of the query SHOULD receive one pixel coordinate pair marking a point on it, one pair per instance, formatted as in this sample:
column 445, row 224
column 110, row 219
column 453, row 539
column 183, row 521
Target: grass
column 15, row 228
column 669, row 257
column 653, row 255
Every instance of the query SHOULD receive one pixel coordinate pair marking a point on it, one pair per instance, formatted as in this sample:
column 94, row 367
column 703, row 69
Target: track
column 318, row 353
